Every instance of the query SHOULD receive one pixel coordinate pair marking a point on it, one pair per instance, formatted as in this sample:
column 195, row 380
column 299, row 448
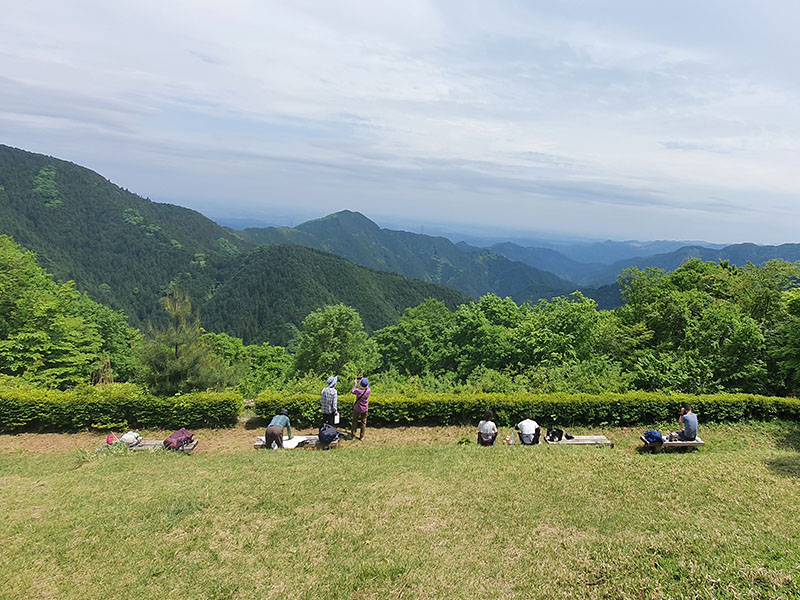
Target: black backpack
column 327, row 434
column 554, row 435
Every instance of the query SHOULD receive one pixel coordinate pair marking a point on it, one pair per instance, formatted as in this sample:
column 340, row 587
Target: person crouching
column 274, row 434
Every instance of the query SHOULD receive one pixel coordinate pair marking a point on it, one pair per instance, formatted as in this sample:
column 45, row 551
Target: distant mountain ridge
column 596, row 274
column 429, row 258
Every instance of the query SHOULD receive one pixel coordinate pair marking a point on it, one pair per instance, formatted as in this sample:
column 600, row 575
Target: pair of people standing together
column 329, row 403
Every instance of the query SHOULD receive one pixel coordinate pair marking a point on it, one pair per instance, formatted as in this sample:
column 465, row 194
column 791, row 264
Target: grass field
column 406, row 514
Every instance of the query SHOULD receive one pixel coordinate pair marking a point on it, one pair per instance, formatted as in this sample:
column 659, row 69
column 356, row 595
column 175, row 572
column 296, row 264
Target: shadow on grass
column 789, row 437
column 255, row 423
column 787, row 466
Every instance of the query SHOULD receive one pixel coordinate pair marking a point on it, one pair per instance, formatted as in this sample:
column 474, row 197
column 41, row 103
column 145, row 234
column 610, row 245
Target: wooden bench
column 584, row 440
column 308, row 442
column 153, row 445
column 656, row 446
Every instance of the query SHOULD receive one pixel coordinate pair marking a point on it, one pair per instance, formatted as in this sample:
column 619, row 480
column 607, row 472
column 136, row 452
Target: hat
column 332, row 380
column 284, row 412
column 364, row 382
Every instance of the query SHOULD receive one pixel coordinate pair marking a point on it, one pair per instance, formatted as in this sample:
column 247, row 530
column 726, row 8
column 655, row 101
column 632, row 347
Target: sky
column 620, row 119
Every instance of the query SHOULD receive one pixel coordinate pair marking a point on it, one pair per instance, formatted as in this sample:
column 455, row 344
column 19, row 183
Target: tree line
column 704, row 328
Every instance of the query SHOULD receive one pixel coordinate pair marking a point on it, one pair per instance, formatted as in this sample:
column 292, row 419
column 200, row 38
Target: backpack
column 178, row 440
column 327, row 434
column 131, row 438
column 555, row 435
column 653, row 437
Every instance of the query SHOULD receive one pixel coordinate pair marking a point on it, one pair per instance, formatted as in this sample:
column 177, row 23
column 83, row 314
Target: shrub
column 632, row 408
column 114, row 406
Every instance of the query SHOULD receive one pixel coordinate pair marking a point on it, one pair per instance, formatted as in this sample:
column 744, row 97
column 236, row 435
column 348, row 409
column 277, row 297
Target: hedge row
column 633, row 408
column 116, row 406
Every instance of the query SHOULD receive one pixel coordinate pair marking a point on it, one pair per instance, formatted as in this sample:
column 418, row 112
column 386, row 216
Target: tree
column 418, row 343
column 176, row 359
column 50, row 334
column 333, row 341
column 256, row 367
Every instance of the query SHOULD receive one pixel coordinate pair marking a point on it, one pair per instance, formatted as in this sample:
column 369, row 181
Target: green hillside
column 275, row 287
column 127, row 252
column 122, row 249
column 434, row 259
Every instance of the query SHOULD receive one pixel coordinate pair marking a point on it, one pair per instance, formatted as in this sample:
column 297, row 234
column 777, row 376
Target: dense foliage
column 276, row 287
column 704, row 328
column 176, row 359
column 53, row 335
column 115, row 406
column 122, row 249
column 333, row 340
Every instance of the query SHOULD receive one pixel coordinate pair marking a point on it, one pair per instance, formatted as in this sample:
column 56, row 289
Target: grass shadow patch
column 255, row 423
column 786, row 466
column 789, row 437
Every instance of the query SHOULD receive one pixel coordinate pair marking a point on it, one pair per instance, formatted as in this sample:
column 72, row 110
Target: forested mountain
column 550, row 260
column 122, row 249
column 275, row 287
column 128, row 253
column 434, row 259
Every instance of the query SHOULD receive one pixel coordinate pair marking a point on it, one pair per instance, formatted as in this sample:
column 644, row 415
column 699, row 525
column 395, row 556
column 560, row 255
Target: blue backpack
column 327, row 434
column 653, row 437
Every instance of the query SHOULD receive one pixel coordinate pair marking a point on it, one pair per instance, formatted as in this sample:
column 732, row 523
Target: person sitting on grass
column 487, row 430
column 274, row 435
column 689, row 421
column 529, row 431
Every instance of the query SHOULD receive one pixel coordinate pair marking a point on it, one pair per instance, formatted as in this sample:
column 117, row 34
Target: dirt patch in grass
column 233, row 439
column 242, row 436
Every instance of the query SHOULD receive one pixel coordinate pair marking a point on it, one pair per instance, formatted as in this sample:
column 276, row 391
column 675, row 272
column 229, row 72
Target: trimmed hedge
column 633, row 408
column 115, row 406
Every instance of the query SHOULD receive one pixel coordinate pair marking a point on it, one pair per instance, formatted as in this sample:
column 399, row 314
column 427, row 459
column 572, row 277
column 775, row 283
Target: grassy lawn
column 406, row 514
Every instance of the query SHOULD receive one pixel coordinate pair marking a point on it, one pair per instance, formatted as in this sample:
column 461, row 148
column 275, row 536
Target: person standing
column 361, row 391
column 274, row 433
column 329, row 401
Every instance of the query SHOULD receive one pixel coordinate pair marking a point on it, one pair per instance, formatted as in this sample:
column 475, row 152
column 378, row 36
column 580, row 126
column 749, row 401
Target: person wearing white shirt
column 487, row 430
column 529, row 431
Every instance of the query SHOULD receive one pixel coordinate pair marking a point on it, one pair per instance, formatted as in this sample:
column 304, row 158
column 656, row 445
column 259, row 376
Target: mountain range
column 128, row 252
column 259, row 283
column 429, row 258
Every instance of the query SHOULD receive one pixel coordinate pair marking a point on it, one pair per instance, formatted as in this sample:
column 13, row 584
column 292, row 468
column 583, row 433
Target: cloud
column 614, row 110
